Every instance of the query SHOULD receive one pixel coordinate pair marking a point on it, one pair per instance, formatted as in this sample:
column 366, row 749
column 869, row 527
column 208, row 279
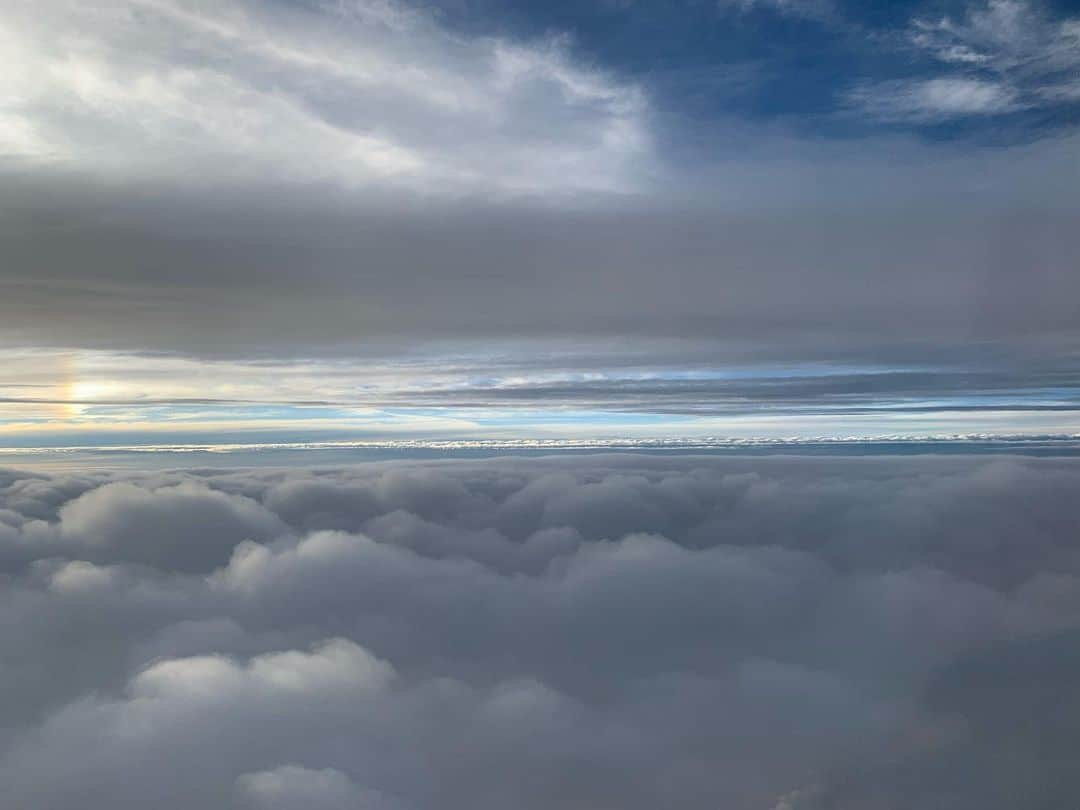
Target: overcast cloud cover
column 611, row 631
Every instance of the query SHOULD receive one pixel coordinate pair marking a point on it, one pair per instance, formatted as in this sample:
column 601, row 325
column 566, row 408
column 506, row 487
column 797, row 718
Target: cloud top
column 617, row 631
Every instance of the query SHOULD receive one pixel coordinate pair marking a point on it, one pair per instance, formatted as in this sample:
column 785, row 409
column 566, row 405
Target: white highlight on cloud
column 357, row 93
column 78, row 576
column 336, row 666
column 290, row 787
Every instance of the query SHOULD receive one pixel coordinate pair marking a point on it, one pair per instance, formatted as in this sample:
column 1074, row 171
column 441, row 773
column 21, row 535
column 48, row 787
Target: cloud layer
column 604, row 631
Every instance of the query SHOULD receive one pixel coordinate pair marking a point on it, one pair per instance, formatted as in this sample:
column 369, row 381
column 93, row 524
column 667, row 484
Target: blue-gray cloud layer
column 611, row 631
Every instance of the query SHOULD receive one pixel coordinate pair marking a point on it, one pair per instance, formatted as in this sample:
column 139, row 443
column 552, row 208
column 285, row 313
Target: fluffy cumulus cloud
column 602, row 631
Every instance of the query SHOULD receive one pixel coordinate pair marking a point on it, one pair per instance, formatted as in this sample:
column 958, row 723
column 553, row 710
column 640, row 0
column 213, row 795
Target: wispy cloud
column 934, row 99
column 1012, row 37
column 792, row 8
column 363, row 92
column 1002, row 56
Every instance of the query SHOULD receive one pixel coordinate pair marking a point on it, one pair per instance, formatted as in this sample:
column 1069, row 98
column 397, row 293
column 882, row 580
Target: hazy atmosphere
column 540, row 404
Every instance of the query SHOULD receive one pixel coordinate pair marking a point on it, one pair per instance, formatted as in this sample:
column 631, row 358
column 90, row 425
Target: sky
column 293, row 221
column 521, row 405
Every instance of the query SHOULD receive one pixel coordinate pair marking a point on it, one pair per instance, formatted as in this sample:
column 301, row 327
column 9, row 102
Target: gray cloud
column 820, row 387
column 617, row 631
column 191, row 526
column 227, row 272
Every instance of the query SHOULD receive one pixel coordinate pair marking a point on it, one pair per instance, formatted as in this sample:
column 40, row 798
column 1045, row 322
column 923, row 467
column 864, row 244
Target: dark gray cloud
column 607, row 631
column 1025, row 386
column 223, row 271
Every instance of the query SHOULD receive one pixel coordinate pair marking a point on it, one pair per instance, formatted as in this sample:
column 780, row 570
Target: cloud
column 935, row 99
column 1014, row 37
column 618, row 631
column 1007, row 56
column 355, row 93
column 810, row 9
column 186, row 527
column 291, row 786
column 334, row 665
column 937, row 260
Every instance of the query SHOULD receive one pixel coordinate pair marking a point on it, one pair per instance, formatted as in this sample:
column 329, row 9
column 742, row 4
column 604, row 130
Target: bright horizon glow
column 100, row 398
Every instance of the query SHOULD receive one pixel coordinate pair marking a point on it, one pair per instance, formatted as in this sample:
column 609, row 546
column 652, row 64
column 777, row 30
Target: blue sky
column 810, row 64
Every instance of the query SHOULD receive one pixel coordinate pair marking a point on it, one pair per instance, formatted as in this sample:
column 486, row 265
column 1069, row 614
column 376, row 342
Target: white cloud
column 357, row 93
column 934, row 99
column 1004, row 56
column 333, row 667
column 1008, row 36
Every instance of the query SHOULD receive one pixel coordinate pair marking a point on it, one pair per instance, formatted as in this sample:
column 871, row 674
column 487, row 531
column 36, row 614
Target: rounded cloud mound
column 185, row 527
